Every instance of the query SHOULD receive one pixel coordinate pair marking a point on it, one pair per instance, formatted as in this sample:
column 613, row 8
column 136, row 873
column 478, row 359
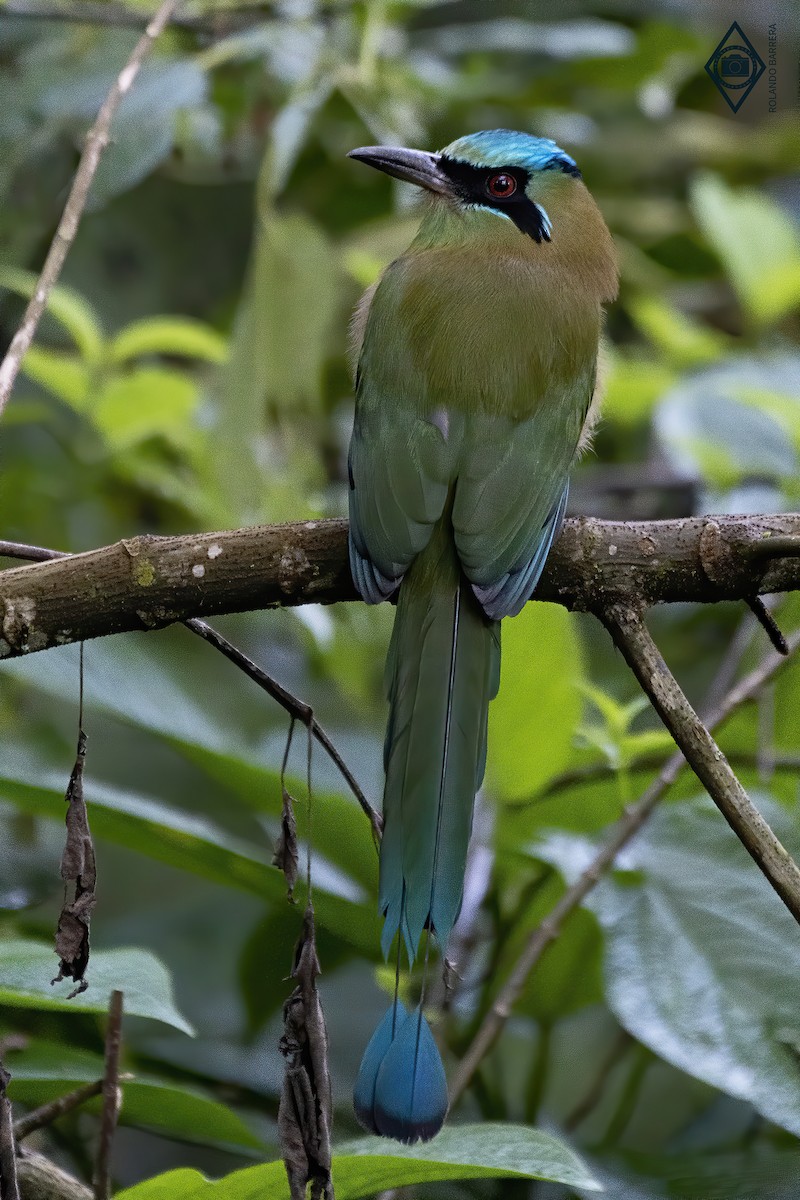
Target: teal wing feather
column 511, row 495
column 398, row 473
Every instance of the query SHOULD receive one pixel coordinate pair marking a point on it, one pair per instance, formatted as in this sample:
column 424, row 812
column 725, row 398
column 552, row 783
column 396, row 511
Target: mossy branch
column 145, row 583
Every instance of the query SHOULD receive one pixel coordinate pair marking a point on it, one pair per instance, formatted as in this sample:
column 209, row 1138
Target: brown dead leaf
column 305, row 1111
column 78, row 868
column 286, row 854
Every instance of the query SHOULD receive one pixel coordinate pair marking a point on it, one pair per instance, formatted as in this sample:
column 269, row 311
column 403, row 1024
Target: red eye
column 501, row 186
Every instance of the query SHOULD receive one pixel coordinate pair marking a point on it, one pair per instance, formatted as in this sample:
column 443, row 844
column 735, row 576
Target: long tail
column 442, row 670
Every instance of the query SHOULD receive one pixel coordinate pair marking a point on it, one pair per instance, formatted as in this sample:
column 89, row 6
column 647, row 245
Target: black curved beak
column 413, row 166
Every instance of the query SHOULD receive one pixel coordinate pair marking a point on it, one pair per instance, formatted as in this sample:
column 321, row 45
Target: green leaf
column 757, row 242
column 45, row 1070
column 174, row 336
column 150, row 686
column 361, row 1168
column 532, row 721
column 189, row 843
column 633, row 388
column 280, row 343
column 702, row 959
column 68, row 308
column 705, row 431
column 146, row 402
column 64, row 375
column 680, row 339
column 143, row 131
column 27, row 967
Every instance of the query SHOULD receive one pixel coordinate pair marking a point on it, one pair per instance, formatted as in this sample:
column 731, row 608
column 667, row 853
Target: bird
column 476, row 389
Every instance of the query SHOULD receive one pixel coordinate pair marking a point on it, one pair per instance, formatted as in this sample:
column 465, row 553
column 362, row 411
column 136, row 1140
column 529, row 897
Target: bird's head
column 510, row 175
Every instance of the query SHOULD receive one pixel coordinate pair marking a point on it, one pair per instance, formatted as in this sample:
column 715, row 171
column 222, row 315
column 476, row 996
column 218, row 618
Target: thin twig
column 633, row 639
column 296, row 708
column 111, row 1098
column 40, row 1117
column 96, row 141
column 9, row 1187
column 628, row 825
column 768, row 624
column 30, row 553
column 731, row 662
column 780, row 546
column 47, row 1113
column 598, row 771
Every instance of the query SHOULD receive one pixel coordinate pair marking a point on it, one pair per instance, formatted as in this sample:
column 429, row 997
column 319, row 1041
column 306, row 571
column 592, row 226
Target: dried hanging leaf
column 305, row 1111
column 286, row 854
column 450, row 976
column 78, row 868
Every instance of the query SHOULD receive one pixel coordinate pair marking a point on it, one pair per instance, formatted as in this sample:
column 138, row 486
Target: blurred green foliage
column 192, row 373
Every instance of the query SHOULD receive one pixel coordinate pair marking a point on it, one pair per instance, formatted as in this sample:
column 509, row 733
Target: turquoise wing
column 399, row 474
column 512, row 493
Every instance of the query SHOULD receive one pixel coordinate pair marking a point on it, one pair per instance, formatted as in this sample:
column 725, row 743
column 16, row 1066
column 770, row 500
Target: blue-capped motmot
column 475, row 388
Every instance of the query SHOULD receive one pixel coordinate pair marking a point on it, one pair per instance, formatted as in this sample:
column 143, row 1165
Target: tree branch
column 96, row 141
column 632, row 638
column 150, row 582
column 628, row 825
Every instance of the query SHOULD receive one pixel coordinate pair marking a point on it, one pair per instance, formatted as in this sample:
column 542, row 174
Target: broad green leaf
column 582, row 38
column 372, row 247
column 757, row 242
column 279, row 346
column 781, row 404
column 143, row 131
column 64, row 375
column 148, row 685
column 174, row 336
column 190, row 843
column 362, row 1168
column 680, row 339
column 705, row 430
column 45, row 1070
column 633, row 387
column 532, row 721
column 702, row 959
column 143, row 403
column 27, row 968
column 289, row 132
column 618, row 717
column 68, row 308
